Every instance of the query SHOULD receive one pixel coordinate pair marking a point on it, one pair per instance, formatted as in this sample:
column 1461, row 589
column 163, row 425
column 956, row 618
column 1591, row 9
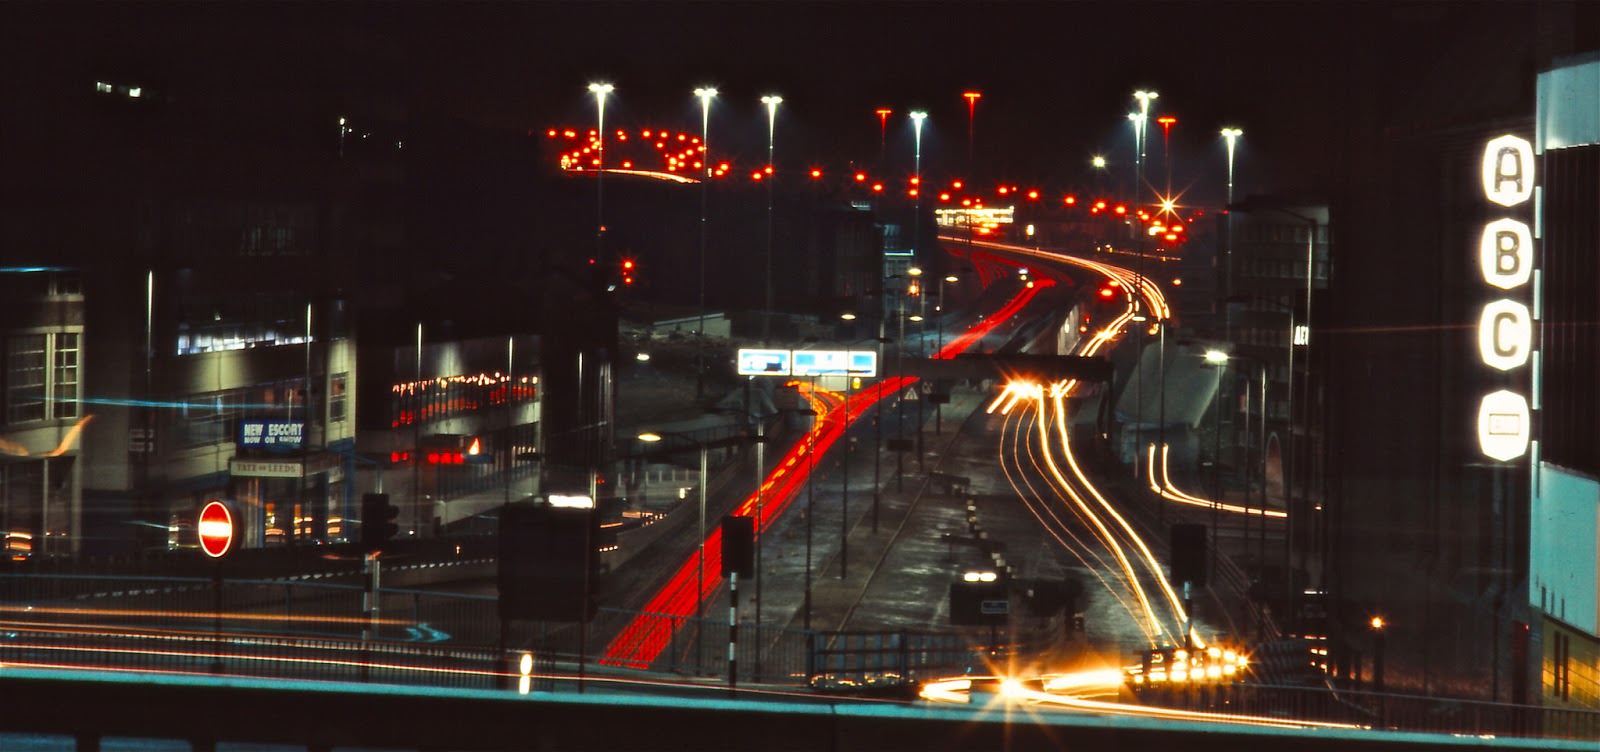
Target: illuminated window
column 102, row 87
column 336, row 396
column 41, row 376
column 25, row 378
column 64, row 379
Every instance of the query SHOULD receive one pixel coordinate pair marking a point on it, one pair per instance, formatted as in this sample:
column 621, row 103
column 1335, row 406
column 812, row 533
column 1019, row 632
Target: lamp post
column 917, row 116
column 1231, row 135
column 1099, row 165
column 844, row 504
column 883, row 132
column 972, row 98
column 1166, row 122
column 600, row 90
column 920, row 291
column 706, row 94
column 1219, row 359
column 772, row 102
column 811, row 497
column 1378, row 625
column 938, row 310
column 1139, row 120
column 1299, row 336
column 700, row 560
column 938, row 351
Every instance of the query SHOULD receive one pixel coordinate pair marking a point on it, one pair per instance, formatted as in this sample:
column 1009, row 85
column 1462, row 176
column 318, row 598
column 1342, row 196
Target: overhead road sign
column 763, row 362
column 863, row 363
column 1008, row 367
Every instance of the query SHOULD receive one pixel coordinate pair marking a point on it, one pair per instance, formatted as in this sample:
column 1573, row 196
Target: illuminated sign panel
column 1508, row 170
column 764, row 362
column 1503, row 425
column 271, row 434
column 1505, row 325
column 1506, row 253
column 1505, row 335
column 836, row 363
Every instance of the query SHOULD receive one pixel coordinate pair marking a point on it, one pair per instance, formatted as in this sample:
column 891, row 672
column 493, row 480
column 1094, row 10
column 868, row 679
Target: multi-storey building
column 180, row 240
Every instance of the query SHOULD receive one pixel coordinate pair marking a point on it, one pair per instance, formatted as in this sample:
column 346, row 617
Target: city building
column 180, row 241
column 1563, row 457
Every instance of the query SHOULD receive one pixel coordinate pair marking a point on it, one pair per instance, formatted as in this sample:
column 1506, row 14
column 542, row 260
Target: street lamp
column 811, row 497
column 651, row 437
column 1166, row 122
column 1219, row 359
column 1250, row 470
column 917, row 116
column 1139, row 121
column 972, row 98
column 706, row 94
column 600, row 90
column 883, row 132
column 772, row 102
column 1231, row 135
column 938, row 309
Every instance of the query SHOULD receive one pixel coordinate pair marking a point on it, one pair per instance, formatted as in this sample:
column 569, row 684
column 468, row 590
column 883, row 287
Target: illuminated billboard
column 764, row 362
column 1505, row 324
column 836, row 363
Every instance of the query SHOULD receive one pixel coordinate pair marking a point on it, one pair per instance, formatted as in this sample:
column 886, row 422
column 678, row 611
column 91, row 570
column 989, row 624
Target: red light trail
column 648, row 634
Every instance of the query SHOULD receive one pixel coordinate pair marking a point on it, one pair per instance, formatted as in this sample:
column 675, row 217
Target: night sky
column 1057, row 77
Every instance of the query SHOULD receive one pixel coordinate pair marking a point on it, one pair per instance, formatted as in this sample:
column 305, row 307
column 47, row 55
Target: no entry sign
column 215, row 529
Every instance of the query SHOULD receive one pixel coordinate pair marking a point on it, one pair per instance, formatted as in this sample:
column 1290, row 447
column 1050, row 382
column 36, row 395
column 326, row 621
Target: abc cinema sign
column 1505, row 324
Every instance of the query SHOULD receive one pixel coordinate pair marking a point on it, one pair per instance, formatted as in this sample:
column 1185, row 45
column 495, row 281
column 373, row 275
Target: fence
column 317, row 630
column 1377, row 710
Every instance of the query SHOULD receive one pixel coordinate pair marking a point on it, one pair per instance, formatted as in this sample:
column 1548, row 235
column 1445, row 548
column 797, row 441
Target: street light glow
column 1216, row 356
column 650, row 436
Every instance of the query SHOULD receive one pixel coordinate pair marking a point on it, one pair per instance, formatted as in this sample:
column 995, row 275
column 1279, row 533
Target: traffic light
column 738, row 545
column 628, row 271
column 377, row 520
column 1189, row 554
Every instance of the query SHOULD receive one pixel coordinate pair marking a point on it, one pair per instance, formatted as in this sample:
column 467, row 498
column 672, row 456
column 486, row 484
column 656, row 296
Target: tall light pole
column 938, row 351
column 706, row 94
column 772, row 102
column 1099, row 165
column 972, row 98
column 1219, row 359
column 883, row 132
column 1166, row 122
column 938, row 309
column 1145, row 98
column 1231, row 135
column 1139, row 122
column 811, row 499
column 600, row 90
column 917, row 116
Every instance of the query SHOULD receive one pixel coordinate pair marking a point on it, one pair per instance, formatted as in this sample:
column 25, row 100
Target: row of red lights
column 682, row 160
column 431, row 458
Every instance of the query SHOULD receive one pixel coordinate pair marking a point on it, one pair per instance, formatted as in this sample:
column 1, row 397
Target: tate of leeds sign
column 1505, row 324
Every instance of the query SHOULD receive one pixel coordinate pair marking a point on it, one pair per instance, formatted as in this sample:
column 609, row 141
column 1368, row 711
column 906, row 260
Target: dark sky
column 1057, row 77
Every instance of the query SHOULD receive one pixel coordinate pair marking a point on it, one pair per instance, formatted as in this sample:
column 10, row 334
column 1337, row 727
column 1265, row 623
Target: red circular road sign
column 215, row 529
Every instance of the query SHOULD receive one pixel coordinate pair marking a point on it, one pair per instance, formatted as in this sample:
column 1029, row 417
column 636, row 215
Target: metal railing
column 1376, row 710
